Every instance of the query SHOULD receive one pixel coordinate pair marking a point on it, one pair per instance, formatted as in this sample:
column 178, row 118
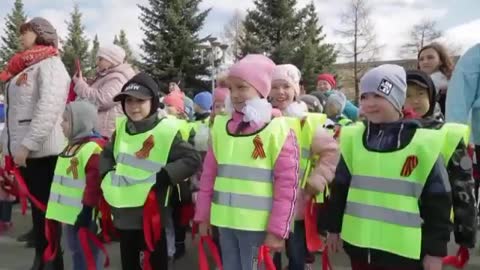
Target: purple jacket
column 285, row 182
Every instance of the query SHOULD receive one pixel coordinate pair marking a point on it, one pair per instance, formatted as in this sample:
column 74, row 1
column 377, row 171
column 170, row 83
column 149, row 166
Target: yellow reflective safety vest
column 66, row 192
column 138, row 159
column 195, row 125
column 455, row 134
column 244, row 185
column 382, row 209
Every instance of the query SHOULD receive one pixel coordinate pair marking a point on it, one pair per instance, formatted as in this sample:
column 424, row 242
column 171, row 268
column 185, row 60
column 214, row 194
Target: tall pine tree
column 92, row 63
column 122, row 41
column 76, row 44
column 273, row 27
column 171, row 43
column 314, row 55
column 11, row 38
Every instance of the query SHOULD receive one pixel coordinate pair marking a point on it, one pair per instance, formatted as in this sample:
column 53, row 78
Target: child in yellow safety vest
column 314, row 141
column 144, row 159
column 249, row 182
column 390, row 201
column 75, row 191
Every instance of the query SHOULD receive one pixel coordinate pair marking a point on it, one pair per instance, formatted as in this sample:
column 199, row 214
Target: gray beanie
column 337, row 98
column 45, row 30
column 388, row 81
column 312, row 102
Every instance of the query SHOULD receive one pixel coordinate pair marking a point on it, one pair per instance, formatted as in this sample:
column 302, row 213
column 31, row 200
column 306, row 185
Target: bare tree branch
column 421, row 35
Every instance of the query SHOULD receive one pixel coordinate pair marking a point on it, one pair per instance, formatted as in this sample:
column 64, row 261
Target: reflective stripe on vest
column 66, row 192
column 382, row 209
column 138, row 159
column 244, row 186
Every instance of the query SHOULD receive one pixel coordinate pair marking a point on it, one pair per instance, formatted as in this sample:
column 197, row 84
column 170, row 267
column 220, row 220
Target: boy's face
column 137, row 109
column 282, row 94
column 219, row 108
column 66, row 125
column 332, row 110
column 240, row 92
column 197, row 109
column 417, row 99
column 377, row 109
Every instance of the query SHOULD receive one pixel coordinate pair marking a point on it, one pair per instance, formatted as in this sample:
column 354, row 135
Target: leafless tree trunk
column 232, row 33
column 421, row 35
column 360, row 39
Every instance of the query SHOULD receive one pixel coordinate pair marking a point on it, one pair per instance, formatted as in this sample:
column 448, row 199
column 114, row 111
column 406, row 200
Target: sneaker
column 308, row 266
column 26, row 236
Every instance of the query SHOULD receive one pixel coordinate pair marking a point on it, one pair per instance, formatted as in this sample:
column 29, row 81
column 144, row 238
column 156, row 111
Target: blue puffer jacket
column 463, row 96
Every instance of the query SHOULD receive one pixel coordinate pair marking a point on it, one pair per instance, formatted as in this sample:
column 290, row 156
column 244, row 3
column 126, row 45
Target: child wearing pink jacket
column 250, row 117
column 284, row 96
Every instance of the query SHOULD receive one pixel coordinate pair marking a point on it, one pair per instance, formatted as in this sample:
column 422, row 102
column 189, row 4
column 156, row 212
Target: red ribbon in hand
column 151, row 226
column 202, row 255
column 51, row 235
column 84, row 236
column 314, row 242
column 460, row 260
column 265, row 258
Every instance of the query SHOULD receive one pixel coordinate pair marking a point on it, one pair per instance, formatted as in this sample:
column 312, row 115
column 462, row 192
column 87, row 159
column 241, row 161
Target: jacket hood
column 423, row 79
column 125, row 69
column 83, row 118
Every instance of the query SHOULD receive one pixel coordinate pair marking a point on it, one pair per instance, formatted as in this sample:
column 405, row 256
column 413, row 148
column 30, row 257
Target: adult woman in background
column 112, row 74
column 35, row 100
column 434, row 60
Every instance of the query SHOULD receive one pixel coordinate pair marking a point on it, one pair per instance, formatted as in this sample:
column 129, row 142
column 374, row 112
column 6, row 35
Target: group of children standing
column 267, row 151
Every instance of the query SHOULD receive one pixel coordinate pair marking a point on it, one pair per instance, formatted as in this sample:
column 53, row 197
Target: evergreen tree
column 93, row 57
column 122, row 41
column 171, row 44
column 11, row 41
column 274, row 28
column 314, row 55
column 76, row 44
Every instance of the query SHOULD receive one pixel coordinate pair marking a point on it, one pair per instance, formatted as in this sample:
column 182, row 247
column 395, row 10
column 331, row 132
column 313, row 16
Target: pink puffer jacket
column 326, row 147
column 285, row 182
column 101, row 93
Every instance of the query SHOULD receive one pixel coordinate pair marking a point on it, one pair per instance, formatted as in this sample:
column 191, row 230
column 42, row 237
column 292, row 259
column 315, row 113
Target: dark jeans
column 38, row 176
column 297, row 247
column 132, row 244
column 5, row 211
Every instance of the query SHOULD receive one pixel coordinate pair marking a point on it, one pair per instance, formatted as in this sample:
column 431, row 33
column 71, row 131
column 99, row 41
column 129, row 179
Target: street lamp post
column 215, row 51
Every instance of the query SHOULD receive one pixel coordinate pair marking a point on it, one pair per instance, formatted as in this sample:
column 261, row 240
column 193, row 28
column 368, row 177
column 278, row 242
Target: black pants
column 132, row 243
column 38, row 176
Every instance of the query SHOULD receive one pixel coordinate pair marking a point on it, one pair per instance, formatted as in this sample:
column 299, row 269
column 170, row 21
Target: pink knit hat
column 113, row 54
column 174, row 100
column 290, row 74
column 256, row 70
column 220, row 94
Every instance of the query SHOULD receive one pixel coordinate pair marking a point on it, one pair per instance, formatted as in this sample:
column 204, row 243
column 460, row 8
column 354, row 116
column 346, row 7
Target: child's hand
column 309, row 190
column 204, row 229
column 334, row 243
column 275, row 243
column 432, row 263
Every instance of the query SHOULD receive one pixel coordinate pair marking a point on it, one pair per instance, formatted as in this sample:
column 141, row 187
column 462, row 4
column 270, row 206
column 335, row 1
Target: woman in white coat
column 35, row 101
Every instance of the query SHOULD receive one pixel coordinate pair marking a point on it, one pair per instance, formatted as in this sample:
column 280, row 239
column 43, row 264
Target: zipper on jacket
column 368, row 256
column 7, row 92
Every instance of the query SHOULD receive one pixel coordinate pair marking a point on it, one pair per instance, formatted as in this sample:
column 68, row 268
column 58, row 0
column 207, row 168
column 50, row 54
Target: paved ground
column 14, row 256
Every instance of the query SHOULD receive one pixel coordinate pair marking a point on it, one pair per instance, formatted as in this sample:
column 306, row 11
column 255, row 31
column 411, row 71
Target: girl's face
column 323, row 86
column 137, row 109
column 377, row 109
column 66, row 125
column 429, row 61
column 282, row 94
column 240, row 92
column 27, row 39
column 417, row 99
column 172, row 110
column 219, row 108
column 103, row 64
